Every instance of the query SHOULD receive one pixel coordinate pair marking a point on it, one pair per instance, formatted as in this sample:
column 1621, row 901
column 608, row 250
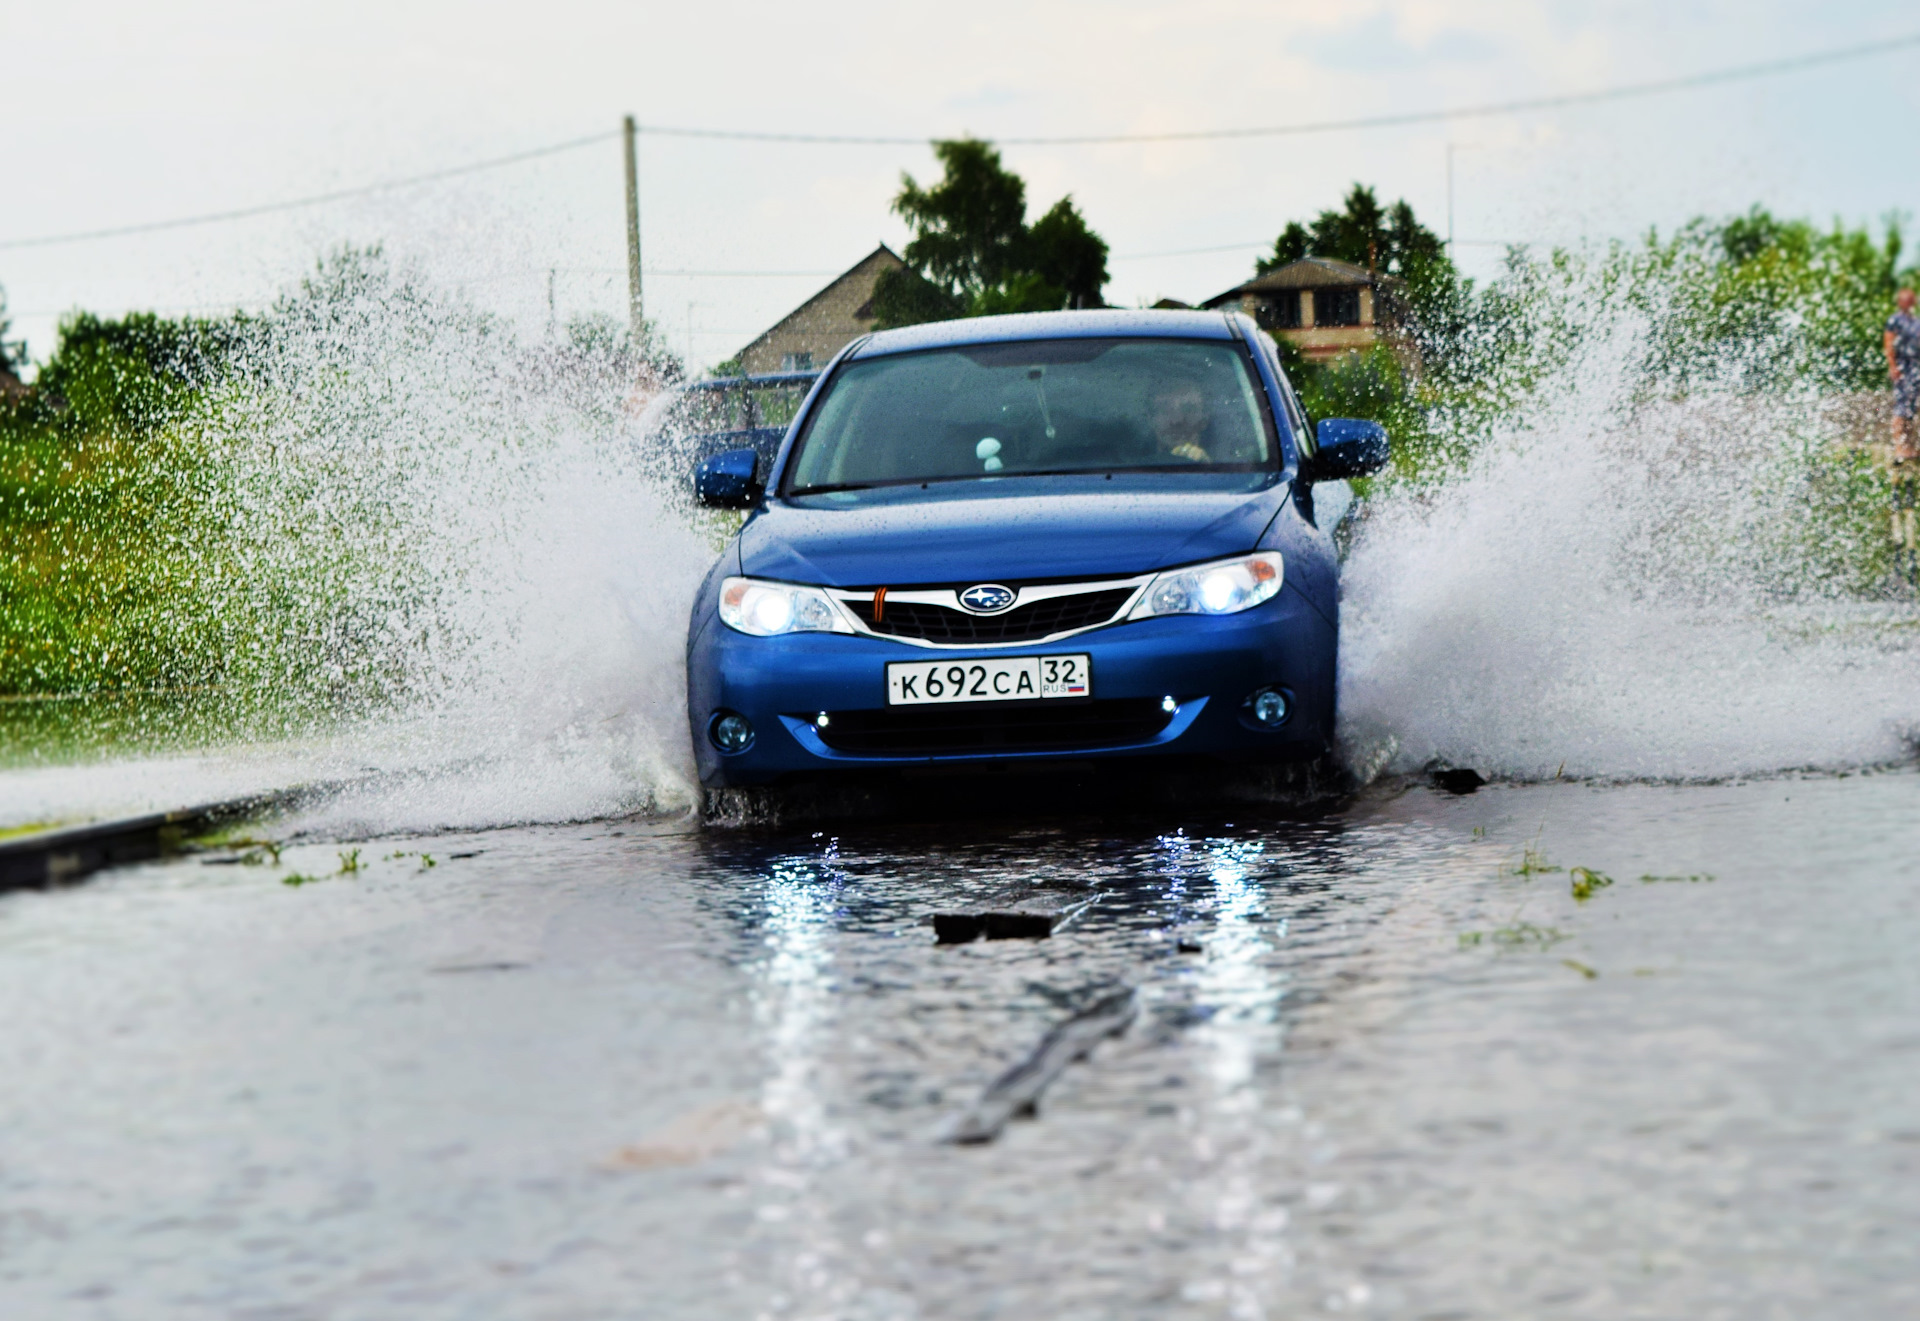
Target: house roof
column 1307, row 273
column 868, row 268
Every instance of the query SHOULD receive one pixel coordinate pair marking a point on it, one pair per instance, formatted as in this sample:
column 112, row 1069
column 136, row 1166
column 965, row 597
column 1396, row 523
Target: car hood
column 1078, row 529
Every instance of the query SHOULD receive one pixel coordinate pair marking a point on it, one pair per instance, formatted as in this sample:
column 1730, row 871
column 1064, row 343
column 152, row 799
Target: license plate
column 1003, row 679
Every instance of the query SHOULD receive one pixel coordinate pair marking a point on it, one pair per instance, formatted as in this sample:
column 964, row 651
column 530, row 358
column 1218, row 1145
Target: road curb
column 72, row 853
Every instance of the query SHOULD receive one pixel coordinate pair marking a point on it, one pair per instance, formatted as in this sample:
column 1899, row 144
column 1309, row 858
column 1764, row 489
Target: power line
column 1626, row 91
column 339, row 195
column 1655, row 87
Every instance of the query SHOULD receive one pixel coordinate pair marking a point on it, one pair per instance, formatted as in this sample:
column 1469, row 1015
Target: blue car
column 1031, row 540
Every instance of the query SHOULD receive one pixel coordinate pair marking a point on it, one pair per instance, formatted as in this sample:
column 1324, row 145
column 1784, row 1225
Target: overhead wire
column 315, row 199
column 1652, row 87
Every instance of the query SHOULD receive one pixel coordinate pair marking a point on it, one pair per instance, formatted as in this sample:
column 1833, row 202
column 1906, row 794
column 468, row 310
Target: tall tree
column 970, row 229
column 1388, row 239
column 13, row 353
column 973, row 253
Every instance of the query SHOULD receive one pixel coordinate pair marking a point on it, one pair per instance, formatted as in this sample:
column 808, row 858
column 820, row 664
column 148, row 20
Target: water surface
column 640, row 1069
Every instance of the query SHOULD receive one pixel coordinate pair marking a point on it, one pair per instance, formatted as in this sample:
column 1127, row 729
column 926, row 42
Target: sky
column 122, row 113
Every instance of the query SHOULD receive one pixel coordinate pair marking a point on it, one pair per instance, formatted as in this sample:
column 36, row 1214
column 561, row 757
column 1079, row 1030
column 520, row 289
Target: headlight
column 1224, row 587
column 764, row 609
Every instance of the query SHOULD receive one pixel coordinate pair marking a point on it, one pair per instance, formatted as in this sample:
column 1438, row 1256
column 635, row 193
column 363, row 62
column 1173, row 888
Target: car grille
column 973, row 727
column 937, row 623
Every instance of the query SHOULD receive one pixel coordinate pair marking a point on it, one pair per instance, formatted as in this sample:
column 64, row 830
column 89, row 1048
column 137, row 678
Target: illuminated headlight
column 1224, row 587
column 765, row 609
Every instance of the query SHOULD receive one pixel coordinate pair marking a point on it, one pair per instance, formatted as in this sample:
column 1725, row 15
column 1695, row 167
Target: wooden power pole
column 636, row 304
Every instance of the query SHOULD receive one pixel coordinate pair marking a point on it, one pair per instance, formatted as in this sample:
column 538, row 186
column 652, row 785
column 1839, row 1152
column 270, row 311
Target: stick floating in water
column 1017, row 1091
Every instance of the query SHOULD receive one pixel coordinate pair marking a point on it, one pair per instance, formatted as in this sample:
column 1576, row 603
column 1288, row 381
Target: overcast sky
column 120, row 113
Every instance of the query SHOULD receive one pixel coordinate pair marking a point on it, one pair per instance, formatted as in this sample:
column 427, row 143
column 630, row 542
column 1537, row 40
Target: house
column 807, row 337
column 1321, row 306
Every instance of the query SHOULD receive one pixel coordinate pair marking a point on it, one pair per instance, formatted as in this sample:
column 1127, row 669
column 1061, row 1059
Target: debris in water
column 1690, row 880
column 1587, row 883
column 1581, row 968
column 1458, row 779
column 1533, row 863
column 1021, row 912
column 1017, row 1091
column 960, row 928
column 1514, row 936
column 694, row 1137
column 1191, row 947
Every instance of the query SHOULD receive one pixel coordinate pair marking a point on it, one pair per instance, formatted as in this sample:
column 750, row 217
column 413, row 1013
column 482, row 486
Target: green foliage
column 1068, row 256
column 970, row 231
column 1586, row 883
column 973, row 253
column 101, row 509
column 1388, row 239
column 904, row 297
column 13, row 352
column 1785, row 303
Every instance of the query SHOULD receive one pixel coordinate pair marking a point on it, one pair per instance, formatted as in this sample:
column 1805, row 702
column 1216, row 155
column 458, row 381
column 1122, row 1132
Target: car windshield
column 1037, row 406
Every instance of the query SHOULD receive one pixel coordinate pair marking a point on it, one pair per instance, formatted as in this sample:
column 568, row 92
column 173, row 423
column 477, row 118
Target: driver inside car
column 1181, row 420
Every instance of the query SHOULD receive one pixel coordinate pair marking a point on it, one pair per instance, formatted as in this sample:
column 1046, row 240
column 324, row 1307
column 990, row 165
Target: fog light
column 821, row 721
column 1168, row 705
column 730, row 732
column 1268, row 707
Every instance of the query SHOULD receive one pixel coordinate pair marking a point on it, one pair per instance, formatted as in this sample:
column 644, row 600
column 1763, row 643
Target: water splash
column 438, row 550
column 1627, row 583
column 433, row 554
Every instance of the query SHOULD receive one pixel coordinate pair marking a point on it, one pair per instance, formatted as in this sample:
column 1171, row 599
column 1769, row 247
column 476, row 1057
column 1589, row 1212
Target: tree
column 973, row 253
column 970, row 230
column 1387, row 239
column 13, row 352
column 1068, row 255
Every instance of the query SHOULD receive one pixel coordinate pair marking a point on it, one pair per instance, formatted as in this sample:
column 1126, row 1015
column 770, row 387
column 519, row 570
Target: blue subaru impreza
column 1037, row 538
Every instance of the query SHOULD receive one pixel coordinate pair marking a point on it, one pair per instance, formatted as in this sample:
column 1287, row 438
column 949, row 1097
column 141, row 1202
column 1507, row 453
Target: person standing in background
column 1901, row 343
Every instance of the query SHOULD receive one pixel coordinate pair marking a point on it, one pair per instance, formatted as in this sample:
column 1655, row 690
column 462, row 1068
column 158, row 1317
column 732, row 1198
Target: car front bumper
column 1208, row 665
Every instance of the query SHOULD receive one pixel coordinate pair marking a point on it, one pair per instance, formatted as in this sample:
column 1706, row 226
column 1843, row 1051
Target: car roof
column 734, row 382
column 1144, row 323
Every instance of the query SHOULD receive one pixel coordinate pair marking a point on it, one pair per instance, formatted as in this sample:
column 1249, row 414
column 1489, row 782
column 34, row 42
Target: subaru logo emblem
column 987, row 598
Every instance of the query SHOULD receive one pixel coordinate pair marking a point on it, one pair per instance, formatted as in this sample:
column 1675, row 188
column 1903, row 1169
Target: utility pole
column 1451, row 148
column 636, row 305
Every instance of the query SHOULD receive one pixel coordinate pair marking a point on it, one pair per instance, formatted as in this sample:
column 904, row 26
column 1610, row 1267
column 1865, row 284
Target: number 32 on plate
column 1001, row 679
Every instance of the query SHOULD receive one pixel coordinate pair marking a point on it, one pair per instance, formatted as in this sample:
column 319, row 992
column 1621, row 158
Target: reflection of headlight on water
column 1224, row 587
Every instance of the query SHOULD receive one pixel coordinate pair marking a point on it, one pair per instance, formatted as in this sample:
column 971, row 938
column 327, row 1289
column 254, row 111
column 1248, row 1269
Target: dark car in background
column 702, row 418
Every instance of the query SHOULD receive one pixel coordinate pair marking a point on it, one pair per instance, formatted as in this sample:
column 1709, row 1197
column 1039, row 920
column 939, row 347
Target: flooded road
column 1385, row 1063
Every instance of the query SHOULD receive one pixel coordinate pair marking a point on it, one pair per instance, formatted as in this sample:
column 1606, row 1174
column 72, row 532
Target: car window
column 1042, row 406
column 775, row 405
column 696, row 412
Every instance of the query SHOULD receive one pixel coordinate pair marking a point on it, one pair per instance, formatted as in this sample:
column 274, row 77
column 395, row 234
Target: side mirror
column 1348, row 448
column 729, row 480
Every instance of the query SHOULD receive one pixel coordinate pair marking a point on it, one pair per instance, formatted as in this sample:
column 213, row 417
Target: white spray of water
column 440, row 549
column 450, row 537
column 1621, row 586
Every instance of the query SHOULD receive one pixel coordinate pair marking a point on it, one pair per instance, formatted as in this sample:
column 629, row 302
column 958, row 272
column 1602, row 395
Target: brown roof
column 818, row 311
column 1307, row 273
